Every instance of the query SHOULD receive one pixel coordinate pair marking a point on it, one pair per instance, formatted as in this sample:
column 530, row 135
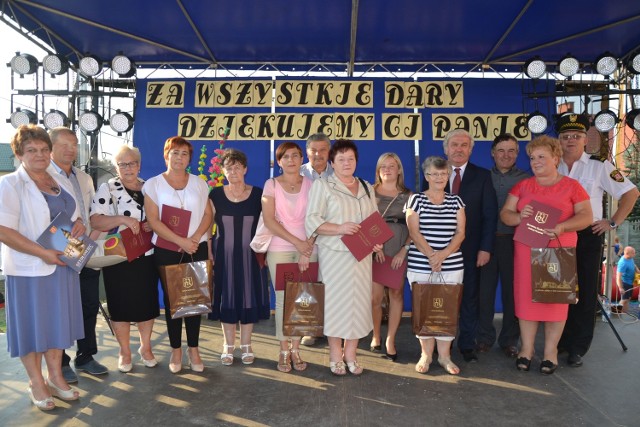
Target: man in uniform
column 504, row 176
column 597, row 175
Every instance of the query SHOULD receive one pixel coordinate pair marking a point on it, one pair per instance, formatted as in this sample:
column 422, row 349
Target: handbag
column 436, row 306
column 110, row 250
column 262, row 239
column 303, row 309
column 554, row 275
column 189, row 287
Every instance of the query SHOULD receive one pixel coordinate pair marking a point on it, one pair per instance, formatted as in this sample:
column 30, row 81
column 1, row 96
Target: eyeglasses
column 572, row 136
column 438, row 175
column 294, row 156
column 128, row 165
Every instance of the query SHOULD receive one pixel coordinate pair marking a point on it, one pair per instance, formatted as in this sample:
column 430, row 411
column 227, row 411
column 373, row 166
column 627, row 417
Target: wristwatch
column 407, row 247
column 613, row 225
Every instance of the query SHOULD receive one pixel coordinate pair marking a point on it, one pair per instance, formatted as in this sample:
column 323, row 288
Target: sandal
column 298, row 363
column 355, row 368
column 338, row 368
column 523, row 364
column 71, row 394
column 227, row 356
column 547, row 367
column 45, row 404
column 448, row 365
column 247, row 357
column 284, row 363
column 422, row 367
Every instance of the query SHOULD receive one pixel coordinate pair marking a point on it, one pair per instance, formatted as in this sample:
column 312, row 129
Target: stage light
column 23, row 117
column 90, row 122
column 535, row 68
column 605, row 120
column 54, row 119
column 634, row 63
column 23, row 63
column 55, row 64
column 537, row 122
column 123, row 66
column 90, row 65
column 633, row 119
column 121, row 122
column 568, row 66
column 606, row 64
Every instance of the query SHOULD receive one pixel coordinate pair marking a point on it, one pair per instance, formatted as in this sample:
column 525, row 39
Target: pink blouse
column 290, row 212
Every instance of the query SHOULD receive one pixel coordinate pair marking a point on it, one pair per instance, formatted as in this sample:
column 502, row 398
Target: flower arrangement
column 216, row 176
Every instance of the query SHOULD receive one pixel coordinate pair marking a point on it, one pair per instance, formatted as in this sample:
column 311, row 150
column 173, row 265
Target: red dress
column 563, row 195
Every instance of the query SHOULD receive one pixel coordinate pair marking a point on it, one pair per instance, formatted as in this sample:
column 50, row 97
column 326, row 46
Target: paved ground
column 601, row 393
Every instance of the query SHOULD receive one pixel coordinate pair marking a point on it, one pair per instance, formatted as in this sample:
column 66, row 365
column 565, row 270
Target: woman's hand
column 555, row 231
column 188, row 245
column 78, row 228
column 305, row 247
column 526, row 212
column 349, row 228
column 146, row 227
column 398, row 259
column 436, row 259
column 378, row 248
column 303, row 263
column 379, row 256
column 52, row 256
column 133, row 224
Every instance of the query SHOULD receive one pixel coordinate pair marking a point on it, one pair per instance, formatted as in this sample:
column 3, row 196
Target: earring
column 280, row 169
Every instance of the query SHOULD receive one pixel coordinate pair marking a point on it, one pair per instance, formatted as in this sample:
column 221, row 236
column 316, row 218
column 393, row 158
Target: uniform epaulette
column 598, row 158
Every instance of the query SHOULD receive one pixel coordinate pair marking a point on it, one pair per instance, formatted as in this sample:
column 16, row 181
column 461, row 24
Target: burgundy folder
column 530, row 231
column 387, row 276
column 373, row 230
column 178, row 221
column 289, row 272
column 136, row 245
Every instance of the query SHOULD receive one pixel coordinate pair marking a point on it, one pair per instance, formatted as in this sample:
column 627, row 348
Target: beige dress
column 347, row 312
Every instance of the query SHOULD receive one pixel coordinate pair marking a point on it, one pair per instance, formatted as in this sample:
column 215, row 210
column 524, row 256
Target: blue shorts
column 628, row 291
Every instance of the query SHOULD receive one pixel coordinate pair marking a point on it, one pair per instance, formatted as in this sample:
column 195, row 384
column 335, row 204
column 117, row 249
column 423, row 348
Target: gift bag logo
column 541, row 217
column 174, row 220
column 187, row 282
column 438, row 302
column 552, row 267
column 375, row 231
column 305, row 302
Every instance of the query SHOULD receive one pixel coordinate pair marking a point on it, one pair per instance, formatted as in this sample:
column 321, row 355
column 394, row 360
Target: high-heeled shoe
column 71, row 394
column 523, row 364
column 391, row 357
column 547, row 367
column 247, row 357
column 149, row 363
column 227, row 354
column 124, row 367
column 45, row 404
column 284, row 361
column 175, row 367
column 355, row 368
column 195, row 367
column 298, row 363
column 375, row 348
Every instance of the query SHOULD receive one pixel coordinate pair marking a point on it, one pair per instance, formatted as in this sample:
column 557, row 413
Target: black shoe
column 574, row 360
column 375, row 349
column 523, row 364
column 391, row 357
column 482, row 347
column 510, row 351
column 469, row 355
column 92, row 367
column 547, row 367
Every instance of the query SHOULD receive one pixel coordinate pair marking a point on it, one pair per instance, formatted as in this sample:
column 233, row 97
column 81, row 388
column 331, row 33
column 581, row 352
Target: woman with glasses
column 436, row 222
column 284, row 205
column 179, row 189
column 240, row 291
column 131, row 287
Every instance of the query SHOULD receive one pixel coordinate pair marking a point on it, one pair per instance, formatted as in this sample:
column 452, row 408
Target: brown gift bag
column 436, row 306
column 303, row 309
column 554, row 275
column 189, row 287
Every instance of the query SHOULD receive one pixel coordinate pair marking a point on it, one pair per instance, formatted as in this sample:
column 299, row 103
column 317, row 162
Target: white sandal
column 227, row 356
column 247, row 357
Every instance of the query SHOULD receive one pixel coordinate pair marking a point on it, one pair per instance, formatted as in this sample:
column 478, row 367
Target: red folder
column 530, row 231
column 290, row 272
column 387, row 276
column 178, row 221
column 373, row 230
column 136, row 245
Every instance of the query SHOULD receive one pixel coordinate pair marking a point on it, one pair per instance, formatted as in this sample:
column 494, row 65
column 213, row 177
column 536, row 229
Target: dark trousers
column 90, row 296
column 468, row 326
column 191, row 323
column 578, row 331
column 500, row 265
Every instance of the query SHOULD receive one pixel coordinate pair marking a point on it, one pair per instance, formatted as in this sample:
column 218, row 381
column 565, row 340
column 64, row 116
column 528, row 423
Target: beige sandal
column 355, row 368
column 298, row 363
column 422, row 367
column 338, row 368
column 284, row 363
column 247, row 357
column 448, row 365
column 227, row 356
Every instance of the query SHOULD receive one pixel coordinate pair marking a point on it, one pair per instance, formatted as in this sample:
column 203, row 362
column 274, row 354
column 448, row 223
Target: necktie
column 455, row 189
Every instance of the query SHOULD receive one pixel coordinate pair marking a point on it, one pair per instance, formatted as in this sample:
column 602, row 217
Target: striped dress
column 438, row 225
column 347, row 306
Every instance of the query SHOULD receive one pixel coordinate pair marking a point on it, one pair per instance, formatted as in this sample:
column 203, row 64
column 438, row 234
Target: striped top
column 438, row 225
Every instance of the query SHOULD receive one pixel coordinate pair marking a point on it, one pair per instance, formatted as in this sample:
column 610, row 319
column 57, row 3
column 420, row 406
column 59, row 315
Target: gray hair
column 318, row 137
column 60, row 130
column 124, row 150
column 435, row 162
column 456, row 132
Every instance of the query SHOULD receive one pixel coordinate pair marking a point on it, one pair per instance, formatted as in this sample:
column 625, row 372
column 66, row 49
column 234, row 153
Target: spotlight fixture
column 537, row 122
column 568, row 66
column 90, row 65
column 55, row 64
column 54, row 119
column 605, row 120
column 633, row 119
column 23, row 63
column 606, row 64
column 535, row 68
column 123, row 66
column 634, row 63
column 23, row 117
column 90, row 122
column 121, row 122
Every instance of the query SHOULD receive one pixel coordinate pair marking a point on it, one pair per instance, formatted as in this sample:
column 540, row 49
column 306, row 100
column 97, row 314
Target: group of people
column 460, row 229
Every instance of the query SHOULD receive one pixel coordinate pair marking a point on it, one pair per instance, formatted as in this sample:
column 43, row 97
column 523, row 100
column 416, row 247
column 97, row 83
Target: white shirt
column 595, row 177
column 86, row 187
column 308, row 171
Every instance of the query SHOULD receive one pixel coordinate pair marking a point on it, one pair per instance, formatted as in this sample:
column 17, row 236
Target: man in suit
column 474, row 186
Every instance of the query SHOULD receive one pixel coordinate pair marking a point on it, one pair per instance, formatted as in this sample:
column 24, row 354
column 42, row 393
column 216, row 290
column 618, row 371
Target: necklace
column 180, row 198
column 50, row 185
column 353, row 181
column 236, row 197
column 291, row 186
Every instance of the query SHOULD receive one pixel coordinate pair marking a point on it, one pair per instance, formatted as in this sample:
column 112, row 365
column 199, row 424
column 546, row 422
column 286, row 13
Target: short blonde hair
column 124, row 150
column 545, row 141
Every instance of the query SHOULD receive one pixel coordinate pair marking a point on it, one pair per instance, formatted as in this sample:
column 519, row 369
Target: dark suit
column 481, row 210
